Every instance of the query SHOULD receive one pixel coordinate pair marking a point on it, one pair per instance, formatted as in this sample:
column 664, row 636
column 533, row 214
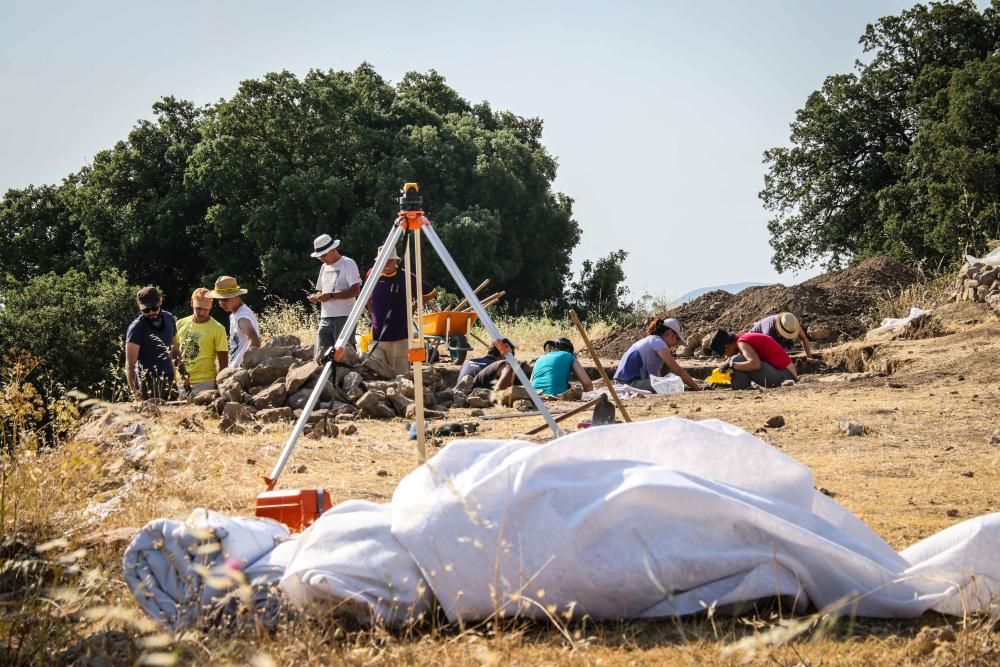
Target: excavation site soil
column 923, row 455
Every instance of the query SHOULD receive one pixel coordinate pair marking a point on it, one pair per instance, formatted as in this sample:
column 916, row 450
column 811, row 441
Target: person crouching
column 753, row 357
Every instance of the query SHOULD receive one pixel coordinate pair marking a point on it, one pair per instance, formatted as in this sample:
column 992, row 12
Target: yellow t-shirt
column 199, row 343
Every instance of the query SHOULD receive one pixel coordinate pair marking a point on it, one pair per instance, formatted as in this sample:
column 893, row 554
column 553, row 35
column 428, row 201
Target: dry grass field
column 928, row 459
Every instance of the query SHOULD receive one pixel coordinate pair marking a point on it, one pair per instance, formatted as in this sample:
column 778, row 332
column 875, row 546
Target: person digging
column 753, row 357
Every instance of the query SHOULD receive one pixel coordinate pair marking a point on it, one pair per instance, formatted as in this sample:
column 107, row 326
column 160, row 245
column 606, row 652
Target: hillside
column 927, row 459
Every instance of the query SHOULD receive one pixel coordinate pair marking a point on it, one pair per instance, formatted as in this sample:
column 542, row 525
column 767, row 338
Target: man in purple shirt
column 388, row 311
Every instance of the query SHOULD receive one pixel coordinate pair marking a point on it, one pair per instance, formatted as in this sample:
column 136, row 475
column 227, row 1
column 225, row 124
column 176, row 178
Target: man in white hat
column 388, row 309
column 244, row 331
column 785, row 329
column 337, row 288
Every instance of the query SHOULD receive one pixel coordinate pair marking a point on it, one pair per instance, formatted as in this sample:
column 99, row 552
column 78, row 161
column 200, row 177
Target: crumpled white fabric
column 350, row 561
column 172, row 566
column 664, row 517
column 890, row 323
column 646, row 519
column 624, row 392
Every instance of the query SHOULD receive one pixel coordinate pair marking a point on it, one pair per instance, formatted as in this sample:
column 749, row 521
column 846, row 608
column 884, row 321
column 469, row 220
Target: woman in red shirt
column 753, row 356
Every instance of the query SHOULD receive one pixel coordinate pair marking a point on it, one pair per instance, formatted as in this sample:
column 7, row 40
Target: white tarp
column 634, row 520
column 896, row 322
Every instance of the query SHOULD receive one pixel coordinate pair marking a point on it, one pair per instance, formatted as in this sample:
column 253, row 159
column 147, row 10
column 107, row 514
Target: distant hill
column 733, row 288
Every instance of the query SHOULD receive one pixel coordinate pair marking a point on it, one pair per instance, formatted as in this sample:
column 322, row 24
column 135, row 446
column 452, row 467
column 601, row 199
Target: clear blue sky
column 658, row 112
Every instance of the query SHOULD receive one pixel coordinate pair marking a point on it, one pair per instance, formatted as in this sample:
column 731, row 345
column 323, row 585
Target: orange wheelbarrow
column 447, row 328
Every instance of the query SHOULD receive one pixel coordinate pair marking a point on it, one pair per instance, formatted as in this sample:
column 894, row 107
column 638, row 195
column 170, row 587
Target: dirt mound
column 835, row 306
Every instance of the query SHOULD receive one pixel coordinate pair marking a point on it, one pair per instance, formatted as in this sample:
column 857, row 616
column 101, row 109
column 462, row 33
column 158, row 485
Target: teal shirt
column 551, row 373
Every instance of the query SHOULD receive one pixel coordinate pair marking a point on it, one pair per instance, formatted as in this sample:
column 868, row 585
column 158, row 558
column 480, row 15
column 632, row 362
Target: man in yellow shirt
column 203, row 342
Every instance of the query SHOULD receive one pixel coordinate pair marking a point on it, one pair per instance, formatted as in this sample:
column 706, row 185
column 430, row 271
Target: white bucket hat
column 324, row 244
column 392, row 253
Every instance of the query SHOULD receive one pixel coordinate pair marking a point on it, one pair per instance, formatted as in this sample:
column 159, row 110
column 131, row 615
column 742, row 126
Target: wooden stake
column 600, row 368
column 465, row 302
column 566, row 415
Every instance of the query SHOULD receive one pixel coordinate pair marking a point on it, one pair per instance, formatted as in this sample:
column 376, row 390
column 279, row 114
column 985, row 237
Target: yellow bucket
column 718, row 377
column 365, row 342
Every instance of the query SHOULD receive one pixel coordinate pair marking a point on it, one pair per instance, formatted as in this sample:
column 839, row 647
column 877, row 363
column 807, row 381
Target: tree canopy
column 900, row 157
column 241, row 187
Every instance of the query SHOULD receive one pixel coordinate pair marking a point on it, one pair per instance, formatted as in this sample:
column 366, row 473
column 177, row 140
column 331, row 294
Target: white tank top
column 239, row 341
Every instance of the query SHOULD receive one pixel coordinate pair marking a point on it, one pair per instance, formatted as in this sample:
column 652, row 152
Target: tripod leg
column 352, row 321
column 487, row 321
column 414, row 345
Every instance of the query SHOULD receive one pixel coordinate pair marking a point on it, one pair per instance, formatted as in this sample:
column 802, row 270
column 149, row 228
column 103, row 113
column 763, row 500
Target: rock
column 273, row 415
column 465, row 384
column 218, row 405
column 270, row 397
column 382, row 472
column 283, row 340
column 236, row 412
column 928, row 639
column 265, row 375
column 325, row 428
column 298, row 400
column 478, row 402
column 523, row 405
column 788, row 383
column 995, row 439
column 444, row 396
column 506, row 397
column 409, row 389
column 300, row 375
column 481, row 393
column 952, row 513
column 256, row 356
column 852, row 428
column 299, row 469
column 477, row 413
column 374, row 404
column 206, row 397
column 968, row 473
column 225, row 374
column 694, row 340
column 247, row 399
column 351, row 381
column 458, row 399
column 378, row 367
column 776, row 421
column 684, row 351
column 819, row 333
column 350, row 429
column 232, row 391
column 400, row 402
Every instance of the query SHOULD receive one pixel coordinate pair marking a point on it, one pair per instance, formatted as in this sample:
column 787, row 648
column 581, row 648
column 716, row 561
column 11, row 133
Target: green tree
column 898, row 158
column 73, row 322
column 39, row 231
column 137, row 213
column 599, row 291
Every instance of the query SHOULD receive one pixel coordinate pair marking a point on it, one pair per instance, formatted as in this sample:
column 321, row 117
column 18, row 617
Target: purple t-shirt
column 641, row 360
column 389, row 305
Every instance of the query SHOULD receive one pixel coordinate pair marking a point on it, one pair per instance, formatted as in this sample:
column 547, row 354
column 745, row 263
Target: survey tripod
column 411, row 219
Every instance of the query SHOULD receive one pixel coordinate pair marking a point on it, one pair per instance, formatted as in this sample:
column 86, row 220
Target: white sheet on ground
column 169, row 564
column 633, row 520
column 896, row 322
column 624, row 392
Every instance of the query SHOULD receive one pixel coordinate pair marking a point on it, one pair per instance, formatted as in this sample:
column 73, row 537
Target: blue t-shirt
column 154, row 344
column 551, row 373
column 641, row 360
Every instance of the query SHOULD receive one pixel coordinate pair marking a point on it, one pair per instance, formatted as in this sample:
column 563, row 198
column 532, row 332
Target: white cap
column 676, row 327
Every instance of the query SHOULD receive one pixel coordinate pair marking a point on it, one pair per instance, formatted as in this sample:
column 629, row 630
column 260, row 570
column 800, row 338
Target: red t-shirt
column 767, row 349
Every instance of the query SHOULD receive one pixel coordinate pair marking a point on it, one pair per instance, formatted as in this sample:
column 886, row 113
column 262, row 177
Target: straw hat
column 225, row 287
column 787, row 326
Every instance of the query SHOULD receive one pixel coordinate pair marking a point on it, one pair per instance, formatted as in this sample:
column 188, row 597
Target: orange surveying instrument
column 299, row 508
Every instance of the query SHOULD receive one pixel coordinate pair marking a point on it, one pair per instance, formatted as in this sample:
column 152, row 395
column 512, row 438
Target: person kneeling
column 553, row 370
column 753, row 357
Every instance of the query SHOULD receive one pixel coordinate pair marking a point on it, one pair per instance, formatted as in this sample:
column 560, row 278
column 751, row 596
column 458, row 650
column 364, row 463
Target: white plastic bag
column 668, row 384
column 896, row 322
column 992, row 258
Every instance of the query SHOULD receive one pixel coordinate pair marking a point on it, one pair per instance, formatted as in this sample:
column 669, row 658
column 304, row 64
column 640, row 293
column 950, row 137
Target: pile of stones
column 274, row 382
column 979, row 282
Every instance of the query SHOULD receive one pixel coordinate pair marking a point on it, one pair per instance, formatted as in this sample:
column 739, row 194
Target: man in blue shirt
column 151, row 349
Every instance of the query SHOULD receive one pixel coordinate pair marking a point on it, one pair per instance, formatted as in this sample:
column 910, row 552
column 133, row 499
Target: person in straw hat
column 388, row 310
column 337, row 288
column 785, row 329
column 244, row 331
column 203, row 344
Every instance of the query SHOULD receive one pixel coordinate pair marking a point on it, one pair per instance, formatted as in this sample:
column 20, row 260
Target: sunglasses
column 150, row 309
